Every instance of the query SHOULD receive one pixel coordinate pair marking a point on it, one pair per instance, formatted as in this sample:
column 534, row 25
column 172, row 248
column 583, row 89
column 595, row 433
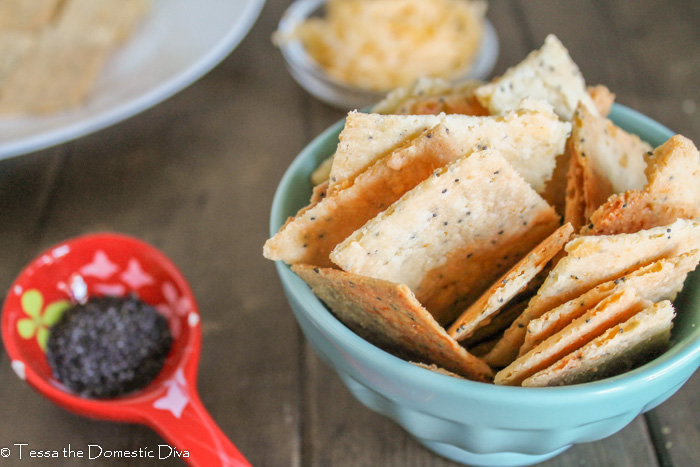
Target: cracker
column 453, row 103
column 672, row 192
column 57, row 75
column 322, row 172
column 436, row 369
column 26, row 15
column 603, row 99
column 450, row 237
column 548, row 73
column 592, row 261
column 527, row 138
column 492, row 330
column 554, row 191
column 455, row 99
column 660, row 280
column 612, row 159
column 575, row 202
column 621, row 348
column 64, row 65
column 427, row 96
column 366, row 138
column 613, row 310
column 389, row 314
column 422, row 88
column 108, row 21
column 509, row 285
column 14, row 47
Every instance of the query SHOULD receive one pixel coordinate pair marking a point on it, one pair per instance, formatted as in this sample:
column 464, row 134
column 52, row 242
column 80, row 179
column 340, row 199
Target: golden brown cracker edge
column 509, row 285
column 377, row 309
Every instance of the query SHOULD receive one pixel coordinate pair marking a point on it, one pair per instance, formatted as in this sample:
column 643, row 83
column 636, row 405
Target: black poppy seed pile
column 108, row 347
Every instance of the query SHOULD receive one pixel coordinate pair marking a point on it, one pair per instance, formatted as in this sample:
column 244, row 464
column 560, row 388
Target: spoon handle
column 190, row 432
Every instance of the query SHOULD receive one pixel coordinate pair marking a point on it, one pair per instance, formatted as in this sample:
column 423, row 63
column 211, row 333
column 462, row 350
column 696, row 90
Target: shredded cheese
column 384, row 44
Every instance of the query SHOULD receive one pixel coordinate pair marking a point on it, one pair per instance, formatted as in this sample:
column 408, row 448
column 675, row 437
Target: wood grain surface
column 195, row 177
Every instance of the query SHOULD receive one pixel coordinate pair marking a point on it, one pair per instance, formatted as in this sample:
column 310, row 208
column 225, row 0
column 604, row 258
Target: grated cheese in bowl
column 379, row 45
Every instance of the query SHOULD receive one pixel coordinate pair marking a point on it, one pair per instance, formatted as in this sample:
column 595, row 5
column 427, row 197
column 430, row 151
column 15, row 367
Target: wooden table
column 195, row 176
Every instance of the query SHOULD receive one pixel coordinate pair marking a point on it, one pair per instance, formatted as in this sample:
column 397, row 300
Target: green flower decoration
column 38, row 324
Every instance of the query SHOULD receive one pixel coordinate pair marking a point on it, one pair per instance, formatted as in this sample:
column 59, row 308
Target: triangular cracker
column 437, row 369
column 499, row 323
column 432, row 96
column 63, row 66
column 509, row 285
column 603, row 99
column 366, row 138
column 619, row 349
column 427, row 96
column 660, row 280
column 548, row 73
column 555, row 192
column 612, row 159
column 672, row 192
column 449, row 238
column 528, row 138
column 27, row 16
column 615, row 309
column 389, row 314
column 590, row 262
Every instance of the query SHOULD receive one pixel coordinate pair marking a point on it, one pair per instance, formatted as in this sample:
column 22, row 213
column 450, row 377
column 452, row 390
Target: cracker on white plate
column 660, row 280
column 591, row 261
column 455, row 233
column 672, row 192
column 529, row 138
column 620, row 349
column 388, row 315
column 548, row 73
column 613, row 310
column 426, row 87
column 509, row 285
column 64, row 64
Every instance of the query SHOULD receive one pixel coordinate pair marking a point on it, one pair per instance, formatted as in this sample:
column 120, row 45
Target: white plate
column 177, row 43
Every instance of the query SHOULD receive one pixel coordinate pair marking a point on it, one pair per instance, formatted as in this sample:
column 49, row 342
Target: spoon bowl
column 117, row 265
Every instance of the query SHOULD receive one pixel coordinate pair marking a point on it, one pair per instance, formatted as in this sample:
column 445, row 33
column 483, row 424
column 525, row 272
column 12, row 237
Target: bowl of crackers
column 505, row 277
column 350, row 53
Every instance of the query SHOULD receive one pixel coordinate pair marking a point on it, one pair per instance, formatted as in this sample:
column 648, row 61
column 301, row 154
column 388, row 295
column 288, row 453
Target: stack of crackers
column 504, row 232
column 52, row 51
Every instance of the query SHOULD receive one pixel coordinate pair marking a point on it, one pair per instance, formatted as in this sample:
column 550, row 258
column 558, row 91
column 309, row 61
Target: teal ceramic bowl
column 476, row 423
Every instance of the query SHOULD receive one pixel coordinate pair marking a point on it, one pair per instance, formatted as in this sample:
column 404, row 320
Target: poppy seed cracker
column 449, row 238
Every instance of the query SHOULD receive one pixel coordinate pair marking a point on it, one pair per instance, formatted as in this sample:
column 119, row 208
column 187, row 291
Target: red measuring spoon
column 112, row 264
